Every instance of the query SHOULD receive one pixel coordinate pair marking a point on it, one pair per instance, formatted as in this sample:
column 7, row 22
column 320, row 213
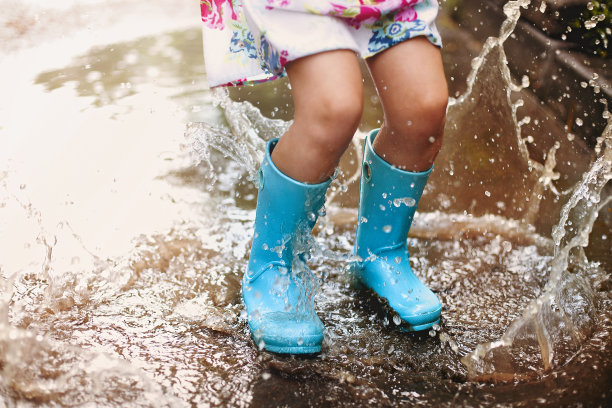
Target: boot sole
column 406, row 327
column 309, row 347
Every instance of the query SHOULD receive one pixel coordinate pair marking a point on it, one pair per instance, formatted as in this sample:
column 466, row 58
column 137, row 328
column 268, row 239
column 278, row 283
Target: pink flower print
column 277, row 4
column 216, row 12
column 283, row 57
column 356, row 15
column 406, row 14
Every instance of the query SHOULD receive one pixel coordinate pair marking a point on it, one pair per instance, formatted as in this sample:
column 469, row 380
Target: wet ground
column 122, row 243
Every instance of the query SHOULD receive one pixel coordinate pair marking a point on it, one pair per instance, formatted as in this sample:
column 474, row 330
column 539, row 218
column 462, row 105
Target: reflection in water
column 157, row 321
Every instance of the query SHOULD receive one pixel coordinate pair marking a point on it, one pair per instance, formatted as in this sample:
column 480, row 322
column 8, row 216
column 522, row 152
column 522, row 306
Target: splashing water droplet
column 398, row 259
column 387, row 229
column 397, row 320
column 525, row 81
column 409, row 201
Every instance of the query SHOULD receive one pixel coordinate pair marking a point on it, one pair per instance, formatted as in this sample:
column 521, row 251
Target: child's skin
column 328, row 97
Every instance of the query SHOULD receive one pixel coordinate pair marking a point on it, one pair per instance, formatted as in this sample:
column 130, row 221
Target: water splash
column 554, row 326
column 242, row 140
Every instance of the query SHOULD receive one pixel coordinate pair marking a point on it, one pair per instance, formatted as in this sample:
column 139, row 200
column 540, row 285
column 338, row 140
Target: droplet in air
column 525, row 81
column 397, row 320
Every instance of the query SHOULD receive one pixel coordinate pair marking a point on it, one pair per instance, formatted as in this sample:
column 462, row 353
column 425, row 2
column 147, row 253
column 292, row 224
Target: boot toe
column 422, row 317
column 288, row 333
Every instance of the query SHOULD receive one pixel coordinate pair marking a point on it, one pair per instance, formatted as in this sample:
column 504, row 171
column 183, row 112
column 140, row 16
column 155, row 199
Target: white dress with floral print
column 247, row 41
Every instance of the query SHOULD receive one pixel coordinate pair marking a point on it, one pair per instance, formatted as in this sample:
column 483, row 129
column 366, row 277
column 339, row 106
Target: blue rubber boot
column 387, row 202
column 279, row 310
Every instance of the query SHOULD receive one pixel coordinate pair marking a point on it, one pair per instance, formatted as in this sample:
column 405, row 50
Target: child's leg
column 412, row 87
column 328, row 97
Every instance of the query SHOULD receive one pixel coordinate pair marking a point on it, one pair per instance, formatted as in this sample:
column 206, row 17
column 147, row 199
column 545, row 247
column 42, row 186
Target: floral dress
column 248, row 41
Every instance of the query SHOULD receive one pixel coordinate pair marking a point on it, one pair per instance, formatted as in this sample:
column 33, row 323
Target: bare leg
column 412, row 88
column 328, row 97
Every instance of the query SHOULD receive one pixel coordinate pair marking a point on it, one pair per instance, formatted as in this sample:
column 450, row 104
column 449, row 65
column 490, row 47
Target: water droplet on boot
column 410, row 202
column 387, row 229
column 398, row 259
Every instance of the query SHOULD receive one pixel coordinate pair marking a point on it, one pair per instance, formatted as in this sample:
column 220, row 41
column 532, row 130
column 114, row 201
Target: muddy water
column 123, row 244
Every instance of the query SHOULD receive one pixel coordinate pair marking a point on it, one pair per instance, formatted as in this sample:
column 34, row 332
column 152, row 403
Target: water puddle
column 124, row 242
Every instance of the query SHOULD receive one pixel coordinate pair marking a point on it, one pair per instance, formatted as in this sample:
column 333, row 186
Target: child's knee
column 340, row 110
column 424, row 117
column 332, row 119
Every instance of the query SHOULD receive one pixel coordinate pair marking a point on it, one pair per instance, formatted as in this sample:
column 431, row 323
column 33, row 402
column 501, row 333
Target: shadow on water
column 162, row 325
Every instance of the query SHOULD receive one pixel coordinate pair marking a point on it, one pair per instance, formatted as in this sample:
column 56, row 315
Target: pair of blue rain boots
column 280, row 312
